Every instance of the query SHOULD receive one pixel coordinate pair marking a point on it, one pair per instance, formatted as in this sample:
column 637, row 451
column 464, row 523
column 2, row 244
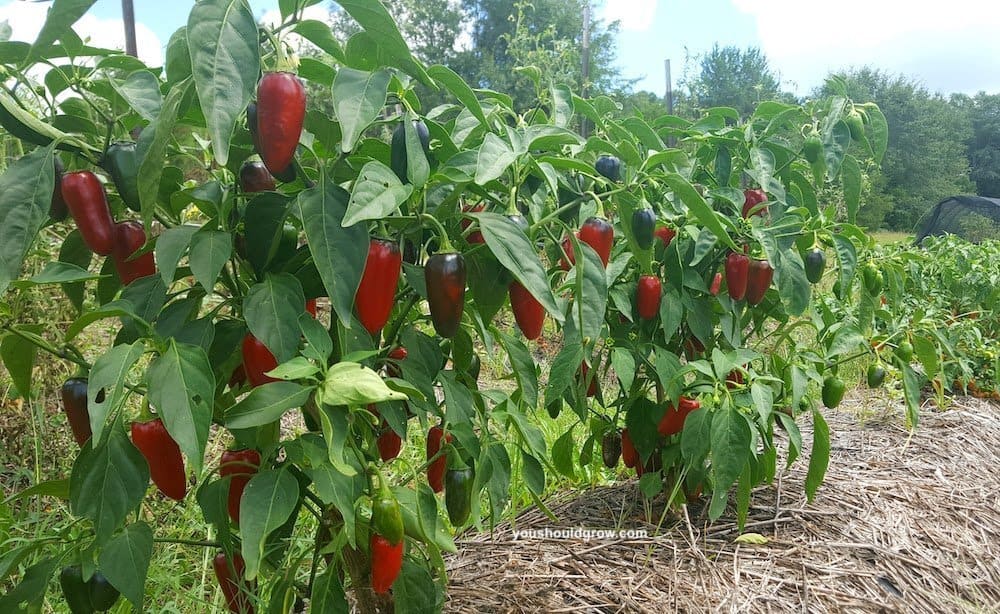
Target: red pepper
column 630, row 456
column 752, row 198
column 281, row 108
column 374, row 298
column 254, row 177
column 257, row 360
column 692, row 347
column 759, row 280
column 387, row 560
column 600, row 235
column 231, row 582
column 716, row 285
column 583, row 373
column 389, row 443
column 737, row 266
column 665, row 234
column 166, row 466
column 475, row 236
column 444, row 275
column 435, row 472
column 528, row 312
column 311, row 307
column 398, row 354
column 241, row 465
column 88, row 204
column 647, row 296
column 288, row 174
column 74, row 398
column 569, row 259
column 673, row 418
column 734, row 379
column 129, row 238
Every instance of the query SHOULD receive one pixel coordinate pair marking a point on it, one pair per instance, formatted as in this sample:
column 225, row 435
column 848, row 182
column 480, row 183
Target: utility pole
column 128, row 17
column 584, row 125
column 670, row 88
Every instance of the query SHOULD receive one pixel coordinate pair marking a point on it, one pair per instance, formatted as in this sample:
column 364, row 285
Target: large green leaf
column 142, row 91
column 349, row 383
column 225, row 56
column 459, row 88
column 152, row 151
column 58, row 22
column 523, row 364
column 181, row 387
column 106, row 383
column 265, row 404
column 819, row 458
column 109, row 480
column 125, row 561
column 697, row 205
column 272, row 310
column 209, row 252
column 339, row 253
column 18, row 356
column 850, row 176
column 513, row 249
column 376, row 20
column 494, row 157
column 358, row 98
column 730, row 446
column 267, row 501
column 26, row 187
column 377, row 192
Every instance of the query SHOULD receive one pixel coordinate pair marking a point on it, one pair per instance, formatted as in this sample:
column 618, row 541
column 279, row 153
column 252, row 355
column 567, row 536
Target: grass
column 886, row 237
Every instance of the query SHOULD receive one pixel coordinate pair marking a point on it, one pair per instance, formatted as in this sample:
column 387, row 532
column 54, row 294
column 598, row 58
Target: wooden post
column 128, row 17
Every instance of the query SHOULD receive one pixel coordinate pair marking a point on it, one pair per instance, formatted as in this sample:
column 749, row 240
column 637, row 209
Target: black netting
column 972, row 217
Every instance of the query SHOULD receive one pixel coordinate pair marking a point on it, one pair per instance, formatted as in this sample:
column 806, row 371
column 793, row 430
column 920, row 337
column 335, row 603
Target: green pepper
column 643, row 225
column 458, row 486
column 872, row 278
column 812, row 149
column 875, row 375
column 75, row 590
column 386, row 515
column 122, row 162
column 904, row 351
column 102, row 594
column 815, row 263
column 833, row 391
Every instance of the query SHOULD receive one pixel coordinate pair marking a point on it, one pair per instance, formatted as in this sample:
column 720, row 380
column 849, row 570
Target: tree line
column 938, row 145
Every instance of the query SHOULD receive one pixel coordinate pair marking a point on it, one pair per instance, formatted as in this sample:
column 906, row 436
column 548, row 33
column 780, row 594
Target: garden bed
column 903, row 522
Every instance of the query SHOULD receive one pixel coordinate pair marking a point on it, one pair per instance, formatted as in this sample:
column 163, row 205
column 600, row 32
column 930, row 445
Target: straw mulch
column 902, row 523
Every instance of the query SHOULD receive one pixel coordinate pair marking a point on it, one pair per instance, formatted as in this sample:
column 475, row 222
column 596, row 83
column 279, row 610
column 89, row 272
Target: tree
column 432, row 28
column 731, row 77
column 926, row 156
column 984, row 145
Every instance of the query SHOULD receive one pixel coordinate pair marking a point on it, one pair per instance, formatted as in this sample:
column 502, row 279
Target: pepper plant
column 665, row 255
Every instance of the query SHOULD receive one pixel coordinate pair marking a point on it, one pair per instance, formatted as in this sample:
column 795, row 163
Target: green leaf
column 358, row 98
column 319, row 34
column 170, row 246
column 417, row 166
column 911, row 394
column 52, row 488
column 850, row 176
column 266, row 504
column 349, row 383
column 114, row 309
column 623, row 363
column 819, row 458
column 109, row 480
column 210, row 250
column 534, row 475
column 26, row 186
column 793, row 285
column 339, row 253
column 847, row 256
column 152, row 152
column 318, row 343
column 562, row 372
column 730, row 446
column 328, row 595
column 513, row 249
column 495, row 155
column 18, row 356
column 272, row 310
column 879, row 129
column 459, row 88
column 524, row 368
column 265, row 404
column 562, row 454
column 107, row 381
column 32, row 587
column 182, row 388
column 74, row 251
column 142, row 91
column 225, row 56
column 377, row 22
column 591, row 291
column 58, row 22
column 414, row 591
column 697, row 205
column 696, row 436
column 377, row 193
column 459, row 408
column 125, row 561
column 927, row 353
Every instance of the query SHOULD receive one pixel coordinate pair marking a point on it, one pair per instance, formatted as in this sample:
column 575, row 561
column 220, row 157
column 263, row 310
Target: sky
column 954, row 47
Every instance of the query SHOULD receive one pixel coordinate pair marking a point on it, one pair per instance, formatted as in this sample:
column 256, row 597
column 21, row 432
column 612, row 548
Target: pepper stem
column 446, row 245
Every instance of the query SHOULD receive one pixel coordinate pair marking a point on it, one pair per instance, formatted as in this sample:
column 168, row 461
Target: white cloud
column 805, row 40
column 635, row 15
column 26, row 19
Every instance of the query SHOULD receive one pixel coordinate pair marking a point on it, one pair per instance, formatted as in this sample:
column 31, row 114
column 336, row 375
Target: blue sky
column 949, row 48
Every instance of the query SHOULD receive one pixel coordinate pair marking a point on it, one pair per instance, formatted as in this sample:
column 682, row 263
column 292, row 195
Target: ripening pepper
column 815, row 263
column 630, row 456
column 389, row 443
column 387, row 560
column 387, row 519
column 397, row 354
column 459, row 483
column 257, row 361
column 737, row 270
column 57, row 207
column 231, row 581
column 666, row 234
column 254, row 177
column 643, row 227
column 716, row 285
column 285, row 176
column 122, row 163
column 734, row 378
column 475, row 236
column 374, row 298
column 528, row 312
column 241, row 465
column 88, row 204
column 611, row 448
column 444, row 275
column 398, row 158
column 751, row 200
column 833, row 391
column 281, row 109
column 673, row 418
column 610, row 167
column 129, row 238
column 166, row 465
column 436, row 470
column 758, row 280
column 600, row 235
column 311, row 307
column 566, row 257
column 74, row 398
column 647, row 296
column 584, row 374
